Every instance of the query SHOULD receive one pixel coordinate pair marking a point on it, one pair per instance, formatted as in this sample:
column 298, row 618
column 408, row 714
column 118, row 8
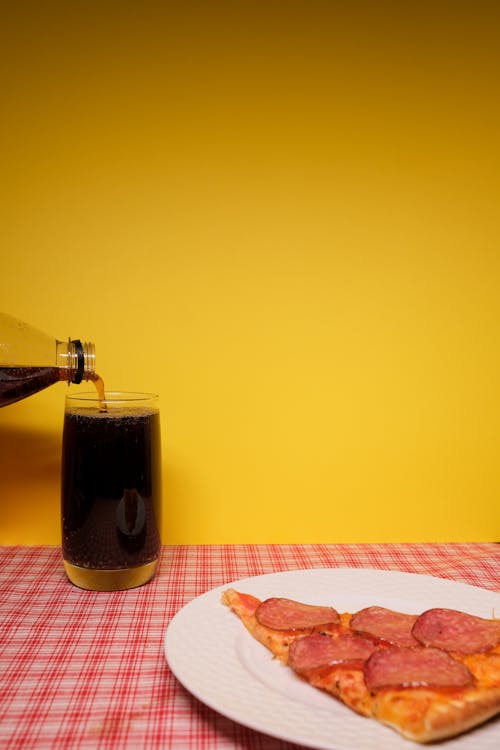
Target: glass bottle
column 30, row 360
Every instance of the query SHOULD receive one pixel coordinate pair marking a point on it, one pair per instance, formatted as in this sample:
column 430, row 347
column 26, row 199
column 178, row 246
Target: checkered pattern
column 83, row 669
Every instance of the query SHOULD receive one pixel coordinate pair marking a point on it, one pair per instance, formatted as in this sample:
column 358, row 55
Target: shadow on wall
column 30, row 470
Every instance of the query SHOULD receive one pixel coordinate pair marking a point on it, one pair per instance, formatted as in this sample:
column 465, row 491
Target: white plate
column 218, row 661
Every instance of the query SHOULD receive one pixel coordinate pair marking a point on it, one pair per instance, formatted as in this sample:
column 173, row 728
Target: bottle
column 31, row 361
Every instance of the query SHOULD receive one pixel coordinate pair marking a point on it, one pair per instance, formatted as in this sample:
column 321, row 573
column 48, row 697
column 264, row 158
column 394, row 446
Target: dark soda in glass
column 111, row 490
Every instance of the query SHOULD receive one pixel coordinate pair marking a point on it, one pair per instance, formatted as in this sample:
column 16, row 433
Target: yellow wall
column 284, row 218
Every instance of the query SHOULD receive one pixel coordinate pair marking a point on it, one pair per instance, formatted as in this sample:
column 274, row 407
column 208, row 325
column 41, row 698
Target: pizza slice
column 429, row 676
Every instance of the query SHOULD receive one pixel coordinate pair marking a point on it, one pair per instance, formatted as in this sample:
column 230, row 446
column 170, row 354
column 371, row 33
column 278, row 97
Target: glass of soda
column 111, row 489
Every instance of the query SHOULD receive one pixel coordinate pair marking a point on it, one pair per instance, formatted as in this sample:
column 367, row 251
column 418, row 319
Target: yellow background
column 283, row 217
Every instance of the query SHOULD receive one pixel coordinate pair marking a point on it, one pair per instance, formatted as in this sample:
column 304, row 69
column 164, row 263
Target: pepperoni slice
column 319, row 650
column 386, row 624
column 396, row 667
column 286, row 614
column 452, row 630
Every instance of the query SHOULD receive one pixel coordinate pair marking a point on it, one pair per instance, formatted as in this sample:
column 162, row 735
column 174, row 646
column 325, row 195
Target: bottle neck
column 75, row 359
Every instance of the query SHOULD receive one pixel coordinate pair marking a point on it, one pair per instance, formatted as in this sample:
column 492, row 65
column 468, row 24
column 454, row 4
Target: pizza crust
column 427, row 716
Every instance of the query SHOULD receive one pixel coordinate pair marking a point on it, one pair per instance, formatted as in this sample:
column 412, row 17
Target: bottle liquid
column 31, row 361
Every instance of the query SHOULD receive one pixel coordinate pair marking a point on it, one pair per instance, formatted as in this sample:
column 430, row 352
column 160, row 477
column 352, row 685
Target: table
column 82, row 669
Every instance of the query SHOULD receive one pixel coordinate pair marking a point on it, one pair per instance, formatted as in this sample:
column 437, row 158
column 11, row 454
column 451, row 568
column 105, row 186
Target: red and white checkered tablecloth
column 83, row 669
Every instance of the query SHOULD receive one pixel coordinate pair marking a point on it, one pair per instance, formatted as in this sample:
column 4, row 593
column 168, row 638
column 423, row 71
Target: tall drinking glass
column 111, row 489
